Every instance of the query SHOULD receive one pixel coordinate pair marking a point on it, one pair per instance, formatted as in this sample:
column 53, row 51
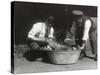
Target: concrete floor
column 24, row 66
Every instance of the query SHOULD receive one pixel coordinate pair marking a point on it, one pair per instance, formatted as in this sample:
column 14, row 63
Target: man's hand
column 82, row 47
column 41, row 39
column 83, row 44
column 75, row 47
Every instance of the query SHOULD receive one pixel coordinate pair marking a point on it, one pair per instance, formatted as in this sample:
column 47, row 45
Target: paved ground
column 24, row 66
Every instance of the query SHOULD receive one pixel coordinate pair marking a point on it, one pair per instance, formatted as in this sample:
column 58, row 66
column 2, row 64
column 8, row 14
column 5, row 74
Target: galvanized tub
column 64, row 57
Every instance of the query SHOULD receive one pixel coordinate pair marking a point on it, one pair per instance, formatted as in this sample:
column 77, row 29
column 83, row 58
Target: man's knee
column 34, row 46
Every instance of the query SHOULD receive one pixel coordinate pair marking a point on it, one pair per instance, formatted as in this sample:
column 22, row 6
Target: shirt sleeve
column 35, row 29
column 86, row 30
column 51, row 33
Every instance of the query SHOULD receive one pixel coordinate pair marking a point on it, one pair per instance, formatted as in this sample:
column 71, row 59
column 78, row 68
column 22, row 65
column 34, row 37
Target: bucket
column 64, row 57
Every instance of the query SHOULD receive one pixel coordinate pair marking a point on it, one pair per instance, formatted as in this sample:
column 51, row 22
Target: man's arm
column 73, row 28
column 86, row 33
column 34, row 31
column 51, row 34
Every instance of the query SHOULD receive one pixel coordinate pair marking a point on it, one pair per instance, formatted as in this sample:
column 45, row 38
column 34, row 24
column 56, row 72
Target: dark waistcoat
column 80, row 26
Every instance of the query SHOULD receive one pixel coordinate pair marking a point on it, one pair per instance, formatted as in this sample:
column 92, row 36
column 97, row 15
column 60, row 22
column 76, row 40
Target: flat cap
column 77, row 12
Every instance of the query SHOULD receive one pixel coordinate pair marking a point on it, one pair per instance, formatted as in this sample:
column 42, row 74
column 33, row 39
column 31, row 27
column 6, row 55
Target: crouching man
column 40, row 32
